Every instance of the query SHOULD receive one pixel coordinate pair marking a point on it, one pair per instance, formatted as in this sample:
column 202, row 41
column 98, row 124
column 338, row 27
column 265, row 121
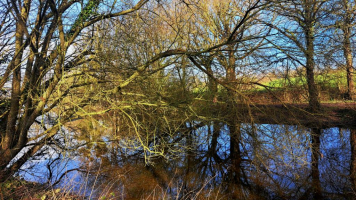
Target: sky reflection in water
column 275, row 162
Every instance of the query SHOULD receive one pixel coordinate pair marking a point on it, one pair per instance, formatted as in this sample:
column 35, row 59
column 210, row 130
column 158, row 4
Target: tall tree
column 297, row 24
column 345, row 22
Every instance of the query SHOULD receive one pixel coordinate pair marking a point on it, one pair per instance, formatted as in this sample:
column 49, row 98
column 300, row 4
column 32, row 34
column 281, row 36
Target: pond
column 256, row 161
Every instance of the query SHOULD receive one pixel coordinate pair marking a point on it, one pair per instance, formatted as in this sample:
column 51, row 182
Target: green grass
column 332, row 79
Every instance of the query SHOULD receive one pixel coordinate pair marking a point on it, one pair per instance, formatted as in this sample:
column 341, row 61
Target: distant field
column 332, row 86
column 335, row 78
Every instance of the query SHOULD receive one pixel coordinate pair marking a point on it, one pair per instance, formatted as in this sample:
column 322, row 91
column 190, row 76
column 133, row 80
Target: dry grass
column 18, row 189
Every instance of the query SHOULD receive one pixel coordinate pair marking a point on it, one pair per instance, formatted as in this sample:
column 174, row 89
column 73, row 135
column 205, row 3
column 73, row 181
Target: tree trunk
column 5, row 173
column 314, row 104
column 346, row 28
column 9, row 142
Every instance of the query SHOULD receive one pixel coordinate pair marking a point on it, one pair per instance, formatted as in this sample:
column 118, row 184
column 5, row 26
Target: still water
column 261, row 161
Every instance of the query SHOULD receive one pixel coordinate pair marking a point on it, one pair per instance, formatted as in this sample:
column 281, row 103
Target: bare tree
column 45, row 38
column 297, row 25
column 345, row 21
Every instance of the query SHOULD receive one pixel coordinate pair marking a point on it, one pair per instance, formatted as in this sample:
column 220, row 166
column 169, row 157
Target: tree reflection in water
column 273, row 162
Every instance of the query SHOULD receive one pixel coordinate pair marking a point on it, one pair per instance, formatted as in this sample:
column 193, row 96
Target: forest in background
column 96, row 76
